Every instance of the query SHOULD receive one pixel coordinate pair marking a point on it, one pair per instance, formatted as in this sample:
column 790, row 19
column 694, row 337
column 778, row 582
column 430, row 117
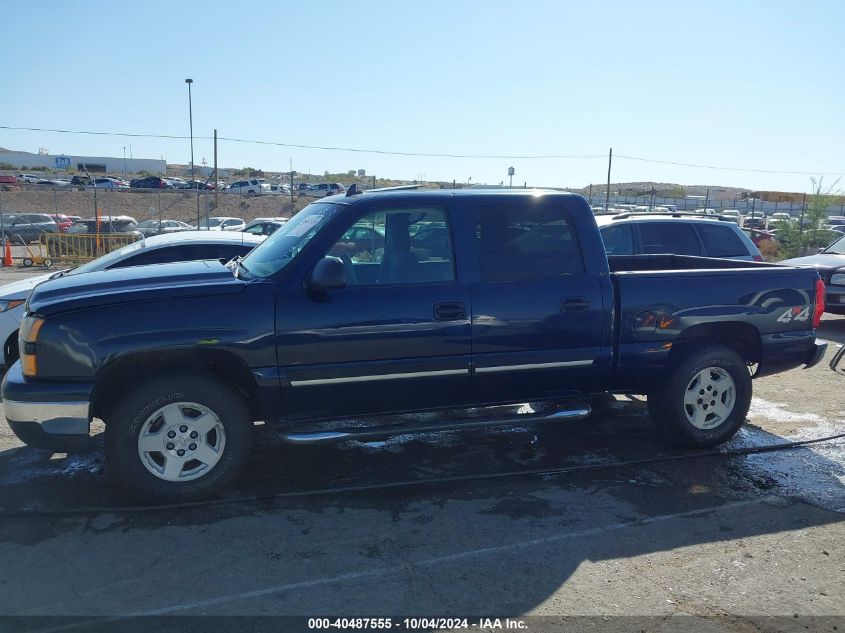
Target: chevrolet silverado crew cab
column 451, row 299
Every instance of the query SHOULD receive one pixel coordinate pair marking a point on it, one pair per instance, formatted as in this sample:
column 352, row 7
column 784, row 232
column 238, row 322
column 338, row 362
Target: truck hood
column 822, row 260
column 136, row 283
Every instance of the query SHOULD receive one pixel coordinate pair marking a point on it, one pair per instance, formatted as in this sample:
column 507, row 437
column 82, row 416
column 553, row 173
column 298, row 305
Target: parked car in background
column 62, row 221
column 148, row 228
column 303, row 188
column 198, row 184
column 249, row 187
column 54, row 182
column 81, row 181
column 221, row 224
column 830, row 264
column 176, row 182
column 29, row 179
column 324, row 189
column 836, row 220
column 108, row 183
column 117, row 224
column 677, row 234
column 264, row 226
column 759, row 236
column 193, row 245
column 280, row 190
column 733, row 215
column 150, row 182
column 756, row 220
column 27, row 227
column 779, row 217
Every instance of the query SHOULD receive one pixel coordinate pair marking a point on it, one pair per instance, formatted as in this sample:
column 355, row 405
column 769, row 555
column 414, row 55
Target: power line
column 317, row 147
column 723, row 168
column 429, row 154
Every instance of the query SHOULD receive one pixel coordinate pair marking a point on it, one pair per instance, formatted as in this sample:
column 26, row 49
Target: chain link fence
column 20, row 204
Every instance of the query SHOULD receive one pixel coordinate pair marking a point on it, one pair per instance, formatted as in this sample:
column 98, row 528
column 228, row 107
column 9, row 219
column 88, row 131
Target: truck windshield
column 282, row 246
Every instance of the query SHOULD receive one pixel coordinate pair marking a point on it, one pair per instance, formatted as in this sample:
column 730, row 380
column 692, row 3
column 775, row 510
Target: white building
column 73, row 164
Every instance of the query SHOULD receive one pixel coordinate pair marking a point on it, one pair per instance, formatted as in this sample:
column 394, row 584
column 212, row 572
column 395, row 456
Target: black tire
column 127, row 419
column 27, row 262
column 670, row 413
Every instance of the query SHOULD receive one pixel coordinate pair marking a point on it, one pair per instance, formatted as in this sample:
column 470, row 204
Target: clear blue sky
column 745, row 84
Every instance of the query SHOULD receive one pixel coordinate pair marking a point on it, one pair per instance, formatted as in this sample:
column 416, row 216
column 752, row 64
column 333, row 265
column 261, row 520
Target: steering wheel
column 351, row 276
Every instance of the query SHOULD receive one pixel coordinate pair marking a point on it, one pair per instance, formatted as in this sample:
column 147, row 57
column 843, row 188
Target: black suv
column 81, row 181
column 27, row 227
column 150, row 182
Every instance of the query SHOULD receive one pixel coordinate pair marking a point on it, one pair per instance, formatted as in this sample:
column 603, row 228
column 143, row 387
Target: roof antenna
column 353, row 190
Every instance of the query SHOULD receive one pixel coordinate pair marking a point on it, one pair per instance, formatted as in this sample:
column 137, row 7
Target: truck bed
column 653, row 263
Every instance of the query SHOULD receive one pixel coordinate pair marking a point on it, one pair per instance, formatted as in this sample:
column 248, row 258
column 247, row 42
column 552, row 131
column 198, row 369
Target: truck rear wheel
column 705, row 399
column 177, row 438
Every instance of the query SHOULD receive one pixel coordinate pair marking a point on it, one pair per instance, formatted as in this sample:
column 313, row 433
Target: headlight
column 8, row 304
column 838, row 279
column 27, row 338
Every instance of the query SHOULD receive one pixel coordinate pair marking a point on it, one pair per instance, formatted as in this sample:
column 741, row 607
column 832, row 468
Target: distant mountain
column 665, row 190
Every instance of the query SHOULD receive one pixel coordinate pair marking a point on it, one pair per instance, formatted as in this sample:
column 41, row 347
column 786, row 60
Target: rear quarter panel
column 656, row 308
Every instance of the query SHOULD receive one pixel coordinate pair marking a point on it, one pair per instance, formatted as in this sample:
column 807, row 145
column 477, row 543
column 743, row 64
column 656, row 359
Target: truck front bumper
column 52, row 416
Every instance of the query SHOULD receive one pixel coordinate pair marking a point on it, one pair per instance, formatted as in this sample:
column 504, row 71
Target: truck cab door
column 540, row 315
column 396, row 337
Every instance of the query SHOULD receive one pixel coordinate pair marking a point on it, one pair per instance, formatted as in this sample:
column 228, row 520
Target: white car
column 779, row 217
column 221, row 224
column 733, row 215
column 249, row 187
column 280, row 190
column 160, row 249
column 27, row 178
column 324, row 189
column 108, row 183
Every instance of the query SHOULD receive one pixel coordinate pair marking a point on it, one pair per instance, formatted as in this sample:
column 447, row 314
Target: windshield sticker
column 305, row 225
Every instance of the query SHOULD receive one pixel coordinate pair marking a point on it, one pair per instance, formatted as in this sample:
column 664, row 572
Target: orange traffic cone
column 7, row 256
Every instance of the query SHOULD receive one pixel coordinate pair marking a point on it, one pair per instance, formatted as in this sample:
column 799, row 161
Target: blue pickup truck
column 403, row 301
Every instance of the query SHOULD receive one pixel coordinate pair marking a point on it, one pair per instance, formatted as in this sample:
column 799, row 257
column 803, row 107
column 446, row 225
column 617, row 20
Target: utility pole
column 191, row 124
column 124, row 160
column 216, row 175
column 607, row 194
column 291, row 186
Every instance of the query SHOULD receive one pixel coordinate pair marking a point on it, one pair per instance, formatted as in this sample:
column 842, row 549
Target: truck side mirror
column 328, row 274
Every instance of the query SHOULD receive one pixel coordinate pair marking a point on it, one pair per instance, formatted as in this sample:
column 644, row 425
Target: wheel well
column 743, row 338
column 123, row 372
column 10, row 348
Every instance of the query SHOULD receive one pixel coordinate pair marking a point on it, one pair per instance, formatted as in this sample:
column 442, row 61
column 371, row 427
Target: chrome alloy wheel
column 710, row 398
column 181, row 441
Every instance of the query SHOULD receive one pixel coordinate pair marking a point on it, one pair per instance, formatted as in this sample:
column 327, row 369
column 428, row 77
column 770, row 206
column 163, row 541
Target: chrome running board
column 576, row 412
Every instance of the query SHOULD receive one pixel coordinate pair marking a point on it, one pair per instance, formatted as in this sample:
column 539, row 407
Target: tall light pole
column 191, row 123
column 124, row 160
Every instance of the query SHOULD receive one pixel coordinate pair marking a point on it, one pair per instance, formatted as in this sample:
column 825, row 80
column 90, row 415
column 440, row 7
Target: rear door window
column 522, row 242
column 721, row 241
column 668, row 238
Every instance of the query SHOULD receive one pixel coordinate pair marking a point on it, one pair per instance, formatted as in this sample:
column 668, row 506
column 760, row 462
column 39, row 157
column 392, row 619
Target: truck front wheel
column 177, row 438
column 705, row 398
